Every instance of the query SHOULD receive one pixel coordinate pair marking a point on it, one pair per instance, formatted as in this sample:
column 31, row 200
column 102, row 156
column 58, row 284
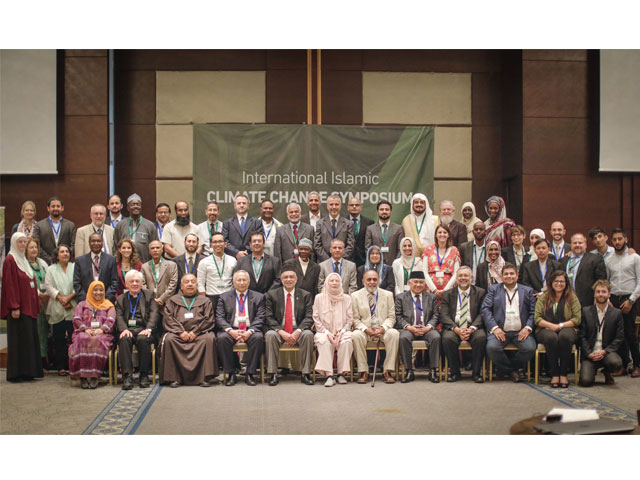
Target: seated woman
column 332, row 316
column 404, row 265
column 498, row 225
column 126, row 260
column 92, row 338
column 490, row 272
column 441, row 262
column 557, row 317
column 374, row 262
column 39, row 268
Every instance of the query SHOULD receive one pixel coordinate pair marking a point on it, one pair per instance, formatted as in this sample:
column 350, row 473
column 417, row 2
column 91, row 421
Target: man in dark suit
column 307, row 271
column 54, row 230
column 314, row 215
column 385, row 234
column 559, row 248
column 288, row 236
column 416, row 319
column 136, row 317
column 475, row 252
column 288, row 313
column 508, row 311
column 462, row 321
column 516, row 253
column 237, row 230
column 601, row 337
column 360, row 225
column 263, row 269
column 240, row 319
column 330, row 227
column 458, row 230
column 536, row 274
column 188, row 261
column 95, row 265
column 583, row 269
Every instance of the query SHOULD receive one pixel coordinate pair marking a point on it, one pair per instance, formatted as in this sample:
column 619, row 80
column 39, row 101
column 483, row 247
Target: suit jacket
column 458, row 232
column 388, row 283
column 182, row 266
column 612, row 332
column 284, row 246
column 149, row 310
column 226, row 310
column 308, row 282
column 531, row 273
column 236, row 240
column 405, row 310
column 567, row 250
column 394, row 235
column 43, row 232
column 107, row 274
column 269, row 275
column 323, row 236
column 167, row 279
column 482, row 279
column 275, row 305
column 82, row 239
column 509, row 256
column 359, row 239
column 362, row 313
column 493, row 306
column 450, row 304
column 466, row 253
column 349, row 275
column 591, row 268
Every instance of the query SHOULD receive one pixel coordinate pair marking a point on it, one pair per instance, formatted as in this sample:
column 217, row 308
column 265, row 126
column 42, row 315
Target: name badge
column 132, row 322
column 32, row 285
column 188, row 315
column 511, row 312
column 244, row 319
column 155, row 290
column 296, row 252
column 384, row 249
column 221, row 285
column 439, row 274
column 95, row 324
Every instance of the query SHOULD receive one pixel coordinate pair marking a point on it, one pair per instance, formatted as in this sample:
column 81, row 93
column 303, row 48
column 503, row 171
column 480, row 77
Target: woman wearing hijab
column 39, row 268
column 469, row 218
column 498, row 225
column 490, row 272
column 405, row 264
column 332, row 316
column 92, row 338
column 19, row 304
column 375, row 262
column 535, row 235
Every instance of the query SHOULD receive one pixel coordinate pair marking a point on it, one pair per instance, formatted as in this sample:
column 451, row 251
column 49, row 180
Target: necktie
column 96, row 265
column 418, row 310
column 333, row 227
column 374, row 314
column 384, row 232
column 242, row 224
column 288, row 315
column 242, row 326
column 336, row 267
column 99, row 231
column 356, row 225
column 190, row 264
column 295, row 235
column 464, row 310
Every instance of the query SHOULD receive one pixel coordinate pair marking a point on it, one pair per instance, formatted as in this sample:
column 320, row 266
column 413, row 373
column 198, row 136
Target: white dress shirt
column 209, row 280
column 623, row 273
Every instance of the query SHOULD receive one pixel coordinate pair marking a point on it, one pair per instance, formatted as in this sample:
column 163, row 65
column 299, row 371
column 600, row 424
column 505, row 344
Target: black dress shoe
column 248, row 379
column 206, row 383
column 175, row 384
column 454, row 377
column 232, row 379
column 274, row 380
column 306, row 379
column 285, row 371
column 409, row 376
column 478, row 379
column 433, row 376
column 144, row 381
column 127, row 384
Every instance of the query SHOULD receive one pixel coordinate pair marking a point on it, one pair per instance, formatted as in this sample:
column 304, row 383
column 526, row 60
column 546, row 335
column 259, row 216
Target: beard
column 183, row 221
column 624, row 245
column 446, row 219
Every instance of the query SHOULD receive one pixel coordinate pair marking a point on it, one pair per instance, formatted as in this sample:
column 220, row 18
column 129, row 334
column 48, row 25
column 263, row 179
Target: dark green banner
column 283, row 163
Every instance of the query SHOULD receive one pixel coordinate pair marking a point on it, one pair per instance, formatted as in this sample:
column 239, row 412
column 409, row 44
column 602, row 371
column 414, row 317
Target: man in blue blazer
column 95, row 265
column 508, row 310
column 237, row 230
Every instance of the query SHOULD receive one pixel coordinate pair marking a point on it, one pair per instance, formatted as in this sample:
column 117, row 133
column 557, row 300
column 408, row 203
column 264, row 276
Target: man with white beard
column 458, row 230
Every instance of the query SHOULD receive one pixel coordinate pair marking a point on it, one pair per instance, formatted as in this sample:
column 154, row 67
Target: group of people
column 202, row 294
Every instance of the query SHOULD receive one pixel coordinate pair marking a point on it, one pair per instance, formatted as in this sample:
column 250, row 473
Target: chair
column 464, row 345
column 110, row 369
column 541, row 349
column 508, row 348
column 373, row 346
column 418, row 345
column 287, row 348
column 135, row 351
column 244, row 348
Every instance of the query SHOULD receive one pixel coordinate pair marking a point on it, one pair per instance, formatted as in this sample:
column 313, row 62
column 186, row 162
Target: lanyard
column 253, row 262
column 555, row 308
column 475, row 255
column 241, row 304
column 133, row 232
column 186, row 265
column 558, row 257
column 133, row 310
column 112, row 222
column 190, row 306
column 421, row 224
column 266, row 234
column 334, row 267
column 160, row 229
column 443, row 256
column 416, row 304
column 384, row 233
column 216, row 264
column 56, row 233
column 374, row 306
column 543, row 276
column 518, row 257
column 153, row 269
column 510, row 298
column 408, row 272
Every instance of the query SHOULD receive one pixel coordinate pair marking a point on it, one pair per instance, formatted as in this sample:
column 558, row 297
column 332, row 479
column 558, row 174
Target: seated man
column 416, row 319
column 601, row 337
column 461, row 320
column 288, row 317
column 508, row 310
column 373, row 319
column 188, row 356
column 136, row 316
column 240, row 318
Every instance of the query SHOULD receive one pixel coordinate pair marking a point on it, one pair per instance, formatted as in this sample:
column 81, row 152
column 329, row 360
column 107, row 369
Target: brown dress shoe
column 635, row 373
column 619, row 373
column 608, row 379
column 364, row 377
column 387, row 377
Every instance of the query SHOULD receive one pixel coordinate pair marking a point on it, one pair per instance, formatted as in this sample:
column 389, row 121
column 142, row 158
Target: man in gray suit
column 54, row 230
column 288, row 236
column 385, row 234
column 332, row 227
column 345, row 268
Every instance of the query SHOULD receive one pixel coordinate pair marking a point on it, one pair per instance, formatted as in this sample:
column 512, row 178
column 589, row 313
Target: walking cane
column 375, row 364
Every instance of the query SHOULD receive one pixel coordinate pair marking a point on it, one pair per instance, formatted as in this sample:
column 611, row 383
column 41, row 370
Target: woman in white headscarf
column 406, row 263
column 20, row 305
column 420, row 224
column 469, row 218
column 535, row 235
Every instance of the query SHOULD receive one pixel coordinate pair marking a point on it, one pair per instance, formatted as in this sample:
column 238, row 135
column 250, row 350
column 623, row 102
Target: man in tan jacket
column 373, row 320
column 98, row 214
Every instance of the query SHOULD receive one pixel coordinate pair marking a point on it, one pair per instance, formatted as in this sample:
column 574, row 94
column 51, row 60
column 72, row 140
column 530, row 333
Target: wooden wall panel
column 286, row 96
column 342, row 60
column 341, row 97
column 448, row 61
column 153, row 60
column 566, row 55
column 135, row 99
column 85, row 86
column 85, row 145
column 136, row 151
column 485, row 99
column 286, row 60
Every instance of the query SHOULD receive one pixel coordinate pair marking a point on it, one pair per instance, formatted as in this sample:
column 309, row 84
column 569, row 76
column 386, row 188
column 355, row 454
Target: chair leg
column 490, row 370
column 115, row 369
column 529, row 372
column 153, row 365
column 537, row 374
column 110, row 367
column 262, row 368
column 446, row 368
column 351, row 365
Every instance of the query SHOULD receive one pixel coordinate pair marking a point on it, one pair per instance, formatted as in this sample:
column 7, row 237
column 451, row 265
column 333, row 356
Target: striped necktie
column 464, row 310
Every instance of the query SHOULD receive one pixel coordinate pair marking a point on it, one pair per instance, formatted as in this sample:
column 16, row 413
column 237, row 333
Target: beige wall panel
column 174, row 151
column 210, row 97
column 458, row 191
column 416, row 98
column 170, row 191
column 452, row 152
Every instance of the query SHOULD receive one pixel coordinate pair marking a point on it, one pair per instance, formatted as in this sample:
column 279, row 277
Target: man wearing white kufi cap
column 420, row 224
column 137, row 228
